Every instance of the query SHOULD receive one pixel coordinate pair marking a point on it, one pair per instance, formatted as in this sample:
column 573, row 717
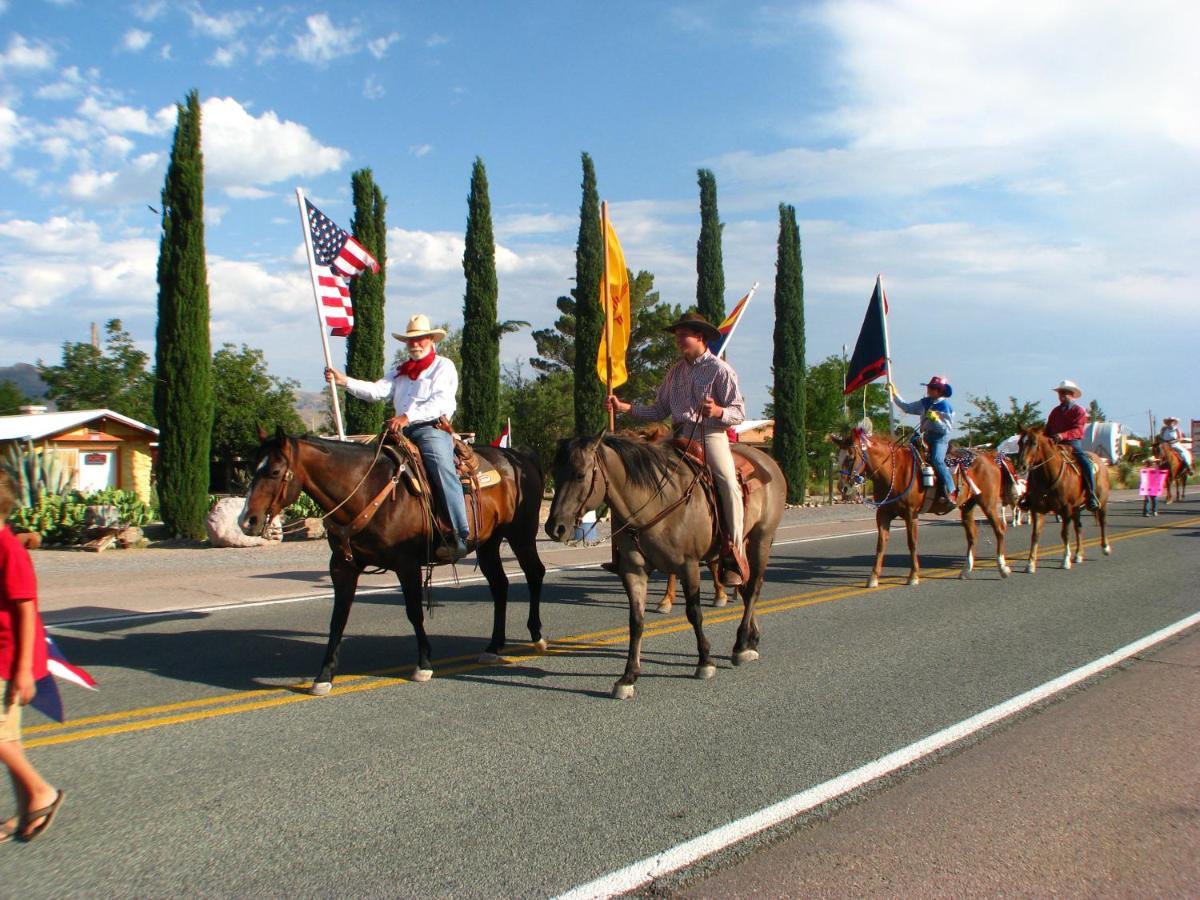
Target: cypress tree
column 710, row 271
column 183, row 399
column 789, row 446
column 365, row 346
column 481, row 334
column 590, row 414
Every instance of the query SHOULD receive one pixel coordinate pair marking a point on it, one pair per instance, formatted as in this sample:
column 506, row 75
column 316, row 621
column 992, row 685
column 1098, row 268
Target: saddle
column 959, row 460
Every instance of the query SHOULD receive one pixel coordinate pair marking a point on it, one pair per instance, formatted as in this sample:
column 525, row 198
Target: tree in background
column 1095, row 413
column 590, row 415
column 480, row 376
column 710, row 271
column 246, row 396
column 991, row 425
column 183, row 398
column 539, row 409
column 365, row 345
column 12, row 398
column 113, row 378
column 789, row 445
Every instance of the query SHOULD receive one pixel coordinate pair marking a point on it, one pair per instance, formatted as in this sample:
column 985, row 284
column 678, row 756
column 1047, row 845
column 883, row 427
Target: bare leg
column 345, row 582
column 883, row 522
column 32, row 790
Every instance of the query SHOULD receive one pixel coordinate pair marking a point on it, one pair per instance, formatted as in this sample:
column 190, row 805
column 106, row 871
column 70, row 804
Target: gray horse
column 662, row 521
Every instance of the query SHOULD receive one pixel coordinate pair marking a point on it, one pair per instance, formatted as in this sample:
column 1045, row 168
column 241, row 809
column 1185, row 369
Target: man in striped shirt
column 702, row 397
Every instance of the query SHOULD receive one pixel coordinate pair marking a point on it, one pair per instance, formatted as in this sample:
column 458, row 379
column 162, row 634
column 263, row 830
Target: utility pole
column 95, row 336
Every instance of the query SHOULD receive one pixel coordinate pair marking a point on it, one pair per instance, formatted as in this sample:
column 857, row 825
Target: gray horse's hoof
column 320, row 688
column 622, row 692
column 744, row 656
column 705, row 672
column 420, row 676
column 489, row 658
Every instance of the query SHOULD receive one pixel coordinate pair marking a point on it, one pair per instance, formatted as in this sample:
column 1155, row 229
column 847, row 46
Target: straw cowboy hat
column 937, row 381
column 419, row 327
column 1070, row 387
column 697, row 323
column 1167, row 419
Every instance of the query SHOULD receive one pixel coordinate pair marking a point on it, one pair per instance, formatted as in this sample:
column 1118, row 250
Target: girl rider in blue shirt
column 937, row 419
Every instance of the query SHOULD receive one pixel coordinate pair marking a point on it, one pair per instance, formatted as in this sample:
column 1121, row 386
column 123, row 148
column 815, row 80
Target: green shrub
column 59, row 518
column 305, row 507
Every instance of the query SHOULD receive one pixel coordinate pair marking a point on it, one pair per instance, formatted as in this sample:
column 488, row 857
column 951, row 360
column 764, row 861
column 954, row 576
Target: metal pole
column 312, row 273
column 608, row 313
column 749, row 297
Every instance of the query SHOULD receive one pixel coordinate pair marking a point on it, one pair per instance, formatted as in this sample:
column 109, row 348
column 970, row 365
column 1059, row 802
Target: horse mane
column 647, row 464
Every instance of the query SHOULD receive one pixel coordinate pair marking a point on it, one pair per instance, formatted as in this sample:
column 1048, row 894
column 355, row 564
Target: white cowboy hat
column 1070, row 387
column 419, row 327
column 1167, row 419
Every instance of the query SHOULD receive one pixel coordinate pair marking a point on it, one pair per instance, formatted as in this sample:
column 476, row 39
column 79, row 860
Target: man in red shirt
column 22, row 663
column 1065, row 425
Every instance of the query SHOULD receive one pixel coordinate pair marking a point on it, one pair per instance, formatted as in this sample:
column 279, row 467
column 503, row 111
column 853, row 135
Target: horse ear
column 262, row 434
column 280, row 434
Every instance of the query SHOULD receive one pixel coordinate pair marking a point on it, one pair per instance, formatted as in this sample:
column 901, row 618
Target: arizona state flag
column 614, row 300
column 870, row 352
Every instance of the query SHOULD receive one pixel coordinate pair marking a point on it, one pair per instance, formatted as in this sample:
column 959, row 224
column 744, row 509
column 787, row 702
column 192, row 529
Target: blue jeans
column 437, row 451
column 1085, row 464
column 938, row 444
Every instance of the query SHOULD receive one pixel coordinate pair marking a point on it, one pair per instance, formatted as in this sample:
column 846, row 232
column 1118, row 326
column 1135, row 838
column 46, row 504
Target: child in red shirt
column 22, row 663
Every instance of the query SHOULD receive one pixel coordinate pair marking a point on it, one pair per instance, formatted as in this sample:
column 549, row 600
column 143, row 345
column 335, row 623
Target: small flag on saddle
column 869, row 360
column 505, row 439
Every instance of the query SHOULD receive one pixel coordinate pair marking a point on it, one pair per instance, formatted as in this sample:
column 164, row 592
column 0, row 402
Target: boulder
column 223, row 530
column 311, row 529
column 131, row 537
column 105, row 516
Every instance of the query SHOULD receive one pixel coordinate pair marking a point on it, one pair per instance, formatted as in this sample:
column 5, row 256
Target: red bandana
column 414, row 367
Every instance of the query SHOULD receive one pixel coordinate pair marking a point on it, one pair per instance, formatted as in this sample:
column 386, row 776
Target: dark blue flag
column 869, row 360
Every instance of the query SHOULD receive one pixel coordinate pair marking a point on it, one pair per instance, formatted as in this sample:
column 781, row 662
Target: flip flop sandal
column 47, row 814
column 7, row 833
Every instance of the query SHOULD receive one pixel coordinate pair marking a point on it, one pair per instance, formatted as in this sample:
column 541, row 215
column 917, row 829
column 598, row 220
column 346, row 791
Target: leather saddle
column 748, row 476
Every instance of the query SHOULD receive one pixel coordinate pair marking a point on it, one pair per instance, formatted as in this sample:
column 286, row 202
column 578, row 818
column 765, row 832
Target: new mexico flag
column 614, row 299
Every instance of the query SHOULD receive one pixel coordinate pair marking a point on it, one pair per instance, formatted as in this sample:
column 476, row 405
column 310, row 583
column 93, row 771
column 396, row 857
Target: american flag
column 337, row 257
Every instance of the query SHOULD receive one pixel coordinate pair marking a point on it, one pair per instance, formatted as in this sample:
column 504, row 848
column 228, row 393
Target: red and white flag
column 505, row 439
column 334, row 294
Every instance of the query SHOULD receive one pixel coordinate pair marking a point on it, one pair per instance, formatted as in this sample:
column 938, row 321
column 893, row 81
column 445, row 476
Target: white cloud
column 322, row 42
column 138, row 182
column 378, row 47
column 70, row 84
column 245, row 150
column 121, row 119
column 149, row 10
column 436, row 40
column 419, row 150
column 372, row 89
column 22, row 55
column 12, row 133
column 535, row 223
column 245, row 192
column 223, row 26
column 136, row 40
column 227, row 56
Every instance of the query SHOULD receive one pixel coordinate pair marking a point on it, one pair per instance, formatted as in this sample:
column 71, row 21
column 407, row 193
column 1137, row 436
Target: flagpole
column 749, row 297
column 312, row 274
column 606, row 300
column 887, row 357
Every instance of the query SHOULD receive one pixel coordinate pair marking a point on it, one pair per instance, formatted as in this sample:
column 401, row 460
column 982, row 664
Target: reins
column 893, row 450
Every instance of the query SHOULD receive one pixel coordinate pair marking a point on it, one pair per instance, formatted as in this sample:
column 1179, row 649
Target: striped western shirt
column 686, row 386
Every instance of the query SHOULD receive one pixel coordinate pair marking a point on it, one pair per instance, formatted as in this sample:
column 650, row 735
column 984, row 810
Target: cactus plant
column 36, row 472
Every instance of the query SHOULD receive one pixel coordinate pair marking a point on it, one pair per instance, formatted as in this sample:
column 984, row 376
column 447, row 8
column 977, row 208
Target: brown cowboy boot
column 735, row 571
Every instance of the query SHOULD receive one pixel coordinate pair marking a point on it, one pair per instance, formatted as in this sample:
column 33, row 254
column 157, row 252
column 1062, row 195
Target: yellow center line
column 266, row 698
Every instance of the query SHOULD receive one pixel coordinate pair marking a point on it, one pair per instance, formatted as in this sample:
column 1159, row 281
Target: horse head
column 579, row 485
column 274, row 486
column 851, row 461
column 1028, row 446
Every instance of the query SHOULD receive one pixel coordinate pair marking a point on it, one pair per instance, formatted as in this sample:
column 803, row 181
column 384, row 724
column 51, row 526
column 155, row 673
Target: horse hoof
column 320, row 688
column 1005, row 571
column 705, row 672
column 744, row 656
column 1078, row 558
column 664, row 607
column 541, row 645
column 964, row 574
column 913, row 580
column 1031, row 568
column 873, row 581
column 721, row 601
column 490, row 658
column 622, row 692
column 1108, row 550
column 420, row 676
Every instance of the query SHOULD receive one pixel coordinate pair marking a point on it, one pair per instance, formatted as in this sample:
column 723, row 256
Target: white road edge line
column 517, row 576
column 640, row 873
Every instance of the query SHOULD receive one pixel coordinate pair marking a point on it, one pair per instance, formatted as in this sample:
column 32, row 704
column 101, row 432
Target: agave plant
column 37, row 472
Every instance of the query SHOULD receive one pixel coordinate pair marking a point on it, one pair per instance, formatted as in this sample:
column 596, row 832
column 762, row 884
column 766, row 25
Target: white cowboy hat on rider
column 1069, row 387
column 419, row 327
column 1167, row 419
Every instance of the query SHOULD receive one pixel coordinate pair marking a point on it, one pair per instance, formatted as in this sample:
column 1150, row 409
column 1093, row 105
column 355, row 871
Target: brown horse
column 661, row 521
column 1177, row 470
column 1055, row 484
column 345, row 479
column 892, row 469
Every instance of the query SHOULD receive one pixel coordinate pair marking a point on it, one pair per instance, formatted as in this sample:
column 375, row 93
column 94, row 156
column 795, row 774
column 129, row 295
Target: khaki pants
column 720, row 463
column 10, row 717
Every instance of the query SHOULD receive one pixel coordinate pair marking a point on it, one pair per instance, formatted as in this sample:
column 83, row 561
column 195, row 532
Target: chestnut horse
column 1055, row 484
column 662, row 521
column 892, row 469
column 1176, row 470
column 345, row 479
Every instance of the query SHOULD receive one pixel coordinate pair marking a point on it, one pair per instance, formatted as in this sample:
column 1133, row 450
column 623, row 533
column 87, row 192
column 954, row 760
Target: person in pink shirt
column 22, row 663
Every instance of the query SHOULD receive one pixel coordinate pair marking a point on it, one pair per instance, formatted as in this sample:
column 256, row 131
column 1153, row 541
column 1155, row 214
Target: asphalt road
column 197, row 771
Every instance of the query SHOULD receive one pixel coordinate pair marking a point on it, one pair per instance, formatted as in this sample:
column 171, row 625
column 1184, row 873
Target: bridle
column 858, row 472
column 597, row 470
column 285, row 478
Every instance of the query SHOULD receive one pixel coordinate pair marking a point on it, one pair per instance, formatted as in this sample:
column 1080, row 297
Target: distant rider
column 1172, row 436
column 1065, row 425
column 937, row 419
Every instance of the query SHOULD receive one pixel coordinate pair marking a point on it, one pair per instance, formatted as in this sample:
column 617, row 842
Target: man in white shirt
column 422, row 390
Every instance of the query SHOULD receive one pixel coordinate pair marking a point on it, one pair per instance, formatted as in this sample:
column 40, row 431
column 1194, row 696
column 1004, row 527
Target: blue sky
column 1023, row 175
